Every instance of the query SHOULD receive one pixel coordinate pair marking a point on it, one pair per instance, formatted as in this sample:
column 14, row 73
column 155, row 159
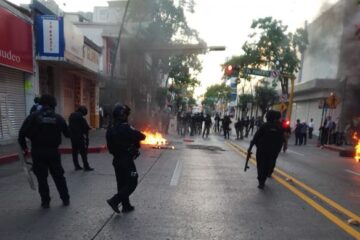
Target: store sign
column 50, row 37
column 15, row 42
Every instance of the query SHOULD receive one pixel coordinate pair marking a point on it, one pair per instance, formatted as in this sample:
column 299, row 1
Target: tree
column 265, row 96
column 216, row 93
column 163, row 22
column 274, row 48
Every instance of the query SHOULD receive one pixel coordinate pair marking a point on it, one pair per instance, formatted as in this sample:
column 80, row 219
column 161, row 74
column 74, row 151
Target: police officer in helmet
column 44, row 129
column 79, row 129
column 268, row 140
column 123, row 142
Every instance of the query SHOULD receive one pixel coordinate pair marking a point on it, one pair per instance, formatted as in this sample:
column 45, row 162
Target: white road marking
column 355, row 173
column 177, row 172
column 300, row 154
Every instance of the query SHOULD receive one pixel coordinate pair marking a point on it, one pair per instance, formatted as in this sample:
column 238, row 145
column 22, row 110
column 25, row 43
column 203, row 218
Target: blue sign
column 50, row 41
column 233, row 97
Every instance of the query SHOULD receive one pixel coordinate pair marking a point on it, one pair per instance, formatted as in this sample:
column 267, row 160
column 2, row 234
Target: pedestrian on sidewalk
column 123, row 142
column 79, row 129
column 298, row 136
column 311, row 128
column 44, row 129
column 36, row 106
column 304, row 129
column 268, row 140
column 287, row 133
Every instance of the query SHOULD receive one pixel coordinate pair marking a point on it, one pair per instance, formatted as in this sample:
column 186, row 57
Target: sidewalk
column 8, row 153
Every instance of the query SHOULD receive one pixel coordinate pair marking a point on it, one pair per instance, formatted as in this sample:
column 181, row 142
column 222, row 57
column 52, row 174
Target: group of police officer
column 43, row 127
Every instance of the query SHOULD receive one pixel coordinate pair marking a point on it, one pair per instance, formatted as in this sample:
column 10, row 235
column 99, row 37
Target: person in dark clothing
column 246, row 125
column 44, row 129
column 287, row 133
column 207, row 127
column 123, row 142
column 237, row 128
column 36, row 106
column 268, row 140
column 298, row 134
column 217, row 123
column 79, row 129
column 251, row 126
column 226, row 126
column 304, row 129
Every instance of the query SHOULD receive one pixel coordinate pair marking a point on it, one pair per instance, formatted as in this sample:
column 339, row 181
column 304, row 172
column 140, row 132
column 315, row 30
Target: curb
column 64, row 150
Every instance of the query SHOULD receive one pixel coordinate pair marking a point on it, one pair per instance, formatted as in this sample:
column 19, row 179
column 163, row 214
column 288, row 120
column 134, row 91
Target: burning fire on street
column 357, row 147
column 156, row 140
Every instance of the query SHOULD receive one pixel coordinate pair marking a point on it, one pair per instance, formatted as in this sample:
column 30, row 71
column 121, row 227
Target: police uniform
column 268, row 141
column 44, row 129
column 207, row 125
column 123, row 142
column 79, row 129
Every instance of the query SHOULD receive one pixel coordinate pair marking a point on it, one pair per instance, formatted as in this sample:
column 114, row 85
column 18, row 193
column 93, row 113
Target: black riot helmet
column 47, row 100
column 83, row 110
column 273, row 116
column 121, row 113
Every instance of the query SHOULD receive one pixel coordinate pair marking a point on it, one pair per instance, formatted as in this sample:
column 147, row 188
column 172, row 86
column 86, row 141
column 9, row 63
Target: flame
column 357, row 147
column 153, row 138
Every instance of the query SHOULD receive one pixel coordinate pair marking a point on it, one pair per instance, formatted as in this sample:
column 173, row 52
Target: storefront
column 16, row 64
column 68, row 71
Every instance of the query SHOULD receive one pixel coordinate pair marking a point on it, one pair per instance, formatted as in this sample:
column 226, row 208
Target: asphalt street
column 197, row 191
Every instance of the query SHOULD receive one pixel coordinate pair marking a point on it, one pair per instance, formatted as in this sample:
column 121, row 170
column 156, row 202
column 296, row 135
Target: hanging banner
column 50, row 37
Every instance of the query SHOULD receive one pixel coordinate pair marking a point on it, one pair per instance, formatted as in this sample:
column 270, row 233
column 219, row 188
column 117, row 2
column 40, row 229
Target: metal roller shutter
column 12, row 103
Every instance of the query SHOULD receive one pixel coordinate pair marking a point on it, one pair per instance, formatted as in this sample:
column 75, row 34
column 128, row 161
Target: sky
column 226, row 23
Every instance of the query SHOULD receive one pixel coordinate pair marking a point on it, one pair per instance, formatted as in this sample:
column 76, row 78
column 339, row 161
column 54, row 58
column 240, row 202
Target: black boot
column 127, row 209
column 113, row 205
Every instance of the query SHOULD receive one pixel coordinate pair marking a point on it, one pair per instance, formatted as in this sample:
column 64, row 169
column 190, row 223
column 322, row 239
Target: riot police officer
column 79, row 129
column 44, row 128
column 269, row 140
column 123, row 142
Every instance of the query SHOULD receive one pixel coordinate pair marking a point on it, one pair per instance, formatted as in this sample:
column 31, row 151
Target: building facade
column 330, row 68
column 17, row 85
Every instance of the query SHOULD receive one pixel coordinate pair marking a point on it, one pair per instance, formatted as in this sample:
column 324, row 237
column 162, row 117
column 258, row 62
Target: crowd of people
column 193, row 124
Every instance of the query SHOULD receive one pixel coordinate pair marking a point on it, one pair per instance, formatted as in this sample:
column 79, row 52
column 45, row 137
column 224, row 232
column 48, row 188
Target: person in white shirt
column 311, row 128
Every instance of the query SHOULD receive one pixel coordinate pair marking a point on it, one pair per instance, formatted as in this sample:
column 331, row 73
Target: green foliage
column 215, row 93
column 278, row 49
column 270, row 46
column 184, row 69
column 265, row 96
column 163, row 21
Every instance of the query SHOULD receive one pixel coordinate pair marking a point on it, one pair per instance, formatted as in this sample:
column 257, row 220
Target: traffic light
column 229, row 70
column 232, row 71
